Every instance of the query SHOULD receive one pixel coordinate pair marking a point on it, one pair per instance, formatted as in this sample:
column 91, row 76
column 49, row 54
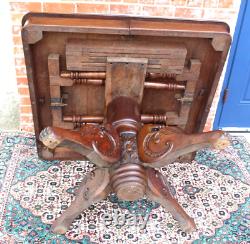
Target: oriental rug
column 214, row 189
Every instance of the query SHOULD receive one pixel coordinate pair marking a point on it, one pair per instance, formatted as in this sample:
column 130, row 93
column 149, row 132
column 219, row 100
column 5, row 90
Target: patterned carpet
column 214, row 190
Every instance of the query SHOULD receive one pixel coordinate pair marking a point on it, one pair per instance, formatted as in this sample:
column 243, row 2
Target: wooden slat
column 91, row 55
column 195, row 66
column 125, row 77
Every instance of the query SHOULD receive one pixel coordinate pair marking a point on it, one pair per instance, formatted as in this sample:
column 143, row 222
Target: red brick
column 22, row 81
column 220, row 14
column 179, row 2
column 125, row 9
column 25, row 101
column 92, row 8
column 18, row 50
column 16, row 18
column 226, row 3
column 21, row 71
column 115, row 1
column 19, row 61
column 146, row 1
column 25, row 6
column 194, row 3
column 158, row 11
column 26, row 119
column 130, row 1
column 164, row 2
column 209, row 120
column 27, row 128
column 17, row 40
column 26, row 110
column 209, row 124
column 59, row 7
column 207, row 128
column 16, row 30
column 211, row 4
column 23, row 91
column 188, row 13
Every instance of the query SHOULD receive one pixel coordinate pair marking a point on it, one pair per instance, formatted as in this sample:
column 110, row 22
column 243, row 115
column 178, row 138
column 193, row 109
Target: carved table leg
column 161, row 146
column 158, row 191
column 93, row 188
column 99, row 144
column 130, row 178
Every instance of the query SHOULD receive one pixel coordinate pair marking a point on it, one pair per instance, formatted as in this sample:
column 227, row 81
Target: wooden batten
column 74, row 58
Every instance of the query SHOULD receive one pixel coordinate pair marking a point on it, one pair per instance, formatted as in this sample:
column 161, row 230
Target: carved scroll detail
column 100, row 144
column 100, row 147
column 155, row 138
column 161, row 146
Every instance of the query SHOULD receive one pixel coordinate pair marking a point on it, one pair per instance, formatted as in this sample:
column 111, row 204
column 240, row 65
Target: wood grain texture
column 93, row 69
column 99, row 144
column 158, row 191
column 91, row 55
column 160, row 146
column 93, row 188
column 199, row 39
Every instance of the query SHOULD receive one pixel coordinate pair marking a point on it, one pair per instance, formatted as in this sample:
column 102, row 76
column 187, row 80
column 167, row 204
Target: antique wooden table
column 130, row 94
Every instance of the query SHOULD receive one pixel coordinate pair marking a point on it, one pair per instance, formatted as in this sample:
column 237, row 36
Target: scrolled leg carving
column 94, row 188
column 158, row 191
column 99, row 144
column 161, row 146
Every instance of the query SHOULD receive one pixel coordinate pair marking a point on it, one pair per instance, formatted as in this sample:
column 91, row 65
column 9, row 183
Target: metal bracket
column 57, row 102
column 186, row 99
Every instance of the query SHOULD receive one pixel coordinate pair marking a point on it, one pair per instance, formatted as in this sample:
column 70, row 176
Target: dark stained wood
column 145, row 118
column 185, row 28
column 95, row 83
column 160, row 146
column 158, row 191
column 202, row 40
column 97, row 144
column 126, row 23
column 94, row 188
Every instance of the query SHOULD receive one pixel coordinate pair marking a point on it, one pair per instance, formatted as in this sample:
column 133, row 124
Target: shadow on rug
column 214, row 190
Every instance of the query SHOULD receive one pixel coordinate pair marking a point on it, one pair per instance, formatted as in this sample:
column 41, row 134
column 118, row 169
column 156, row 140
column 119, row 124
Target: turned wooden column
column 124, row 91
column 125, row 150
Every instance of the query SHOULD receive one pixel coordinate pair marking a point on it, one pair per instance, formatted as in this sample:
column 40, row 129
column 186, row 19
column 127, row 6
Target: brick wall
column 225, row 10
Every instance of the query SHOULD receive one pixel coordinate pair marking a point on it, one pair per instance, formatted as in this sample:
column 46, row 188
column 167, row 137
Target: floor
column 215, row 192
column 246, row 135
